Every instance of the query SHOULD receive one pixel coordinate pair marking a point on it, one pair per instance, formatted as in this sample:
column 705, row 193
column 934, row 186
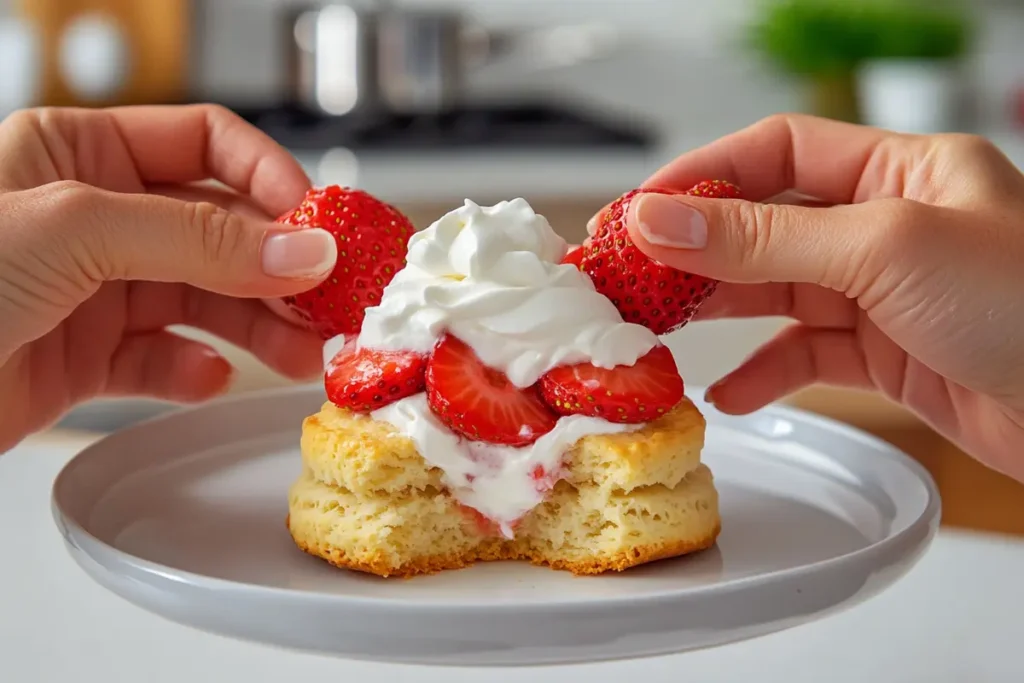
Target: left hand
column 105, row 241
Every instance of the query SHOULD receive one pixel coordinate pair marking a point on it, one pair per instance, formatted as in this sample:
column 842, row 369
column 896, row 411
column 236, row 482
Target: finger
column 821, row 158
column 182, row 144
column 248, row 324
column 797, row 357
column 235, row 203
column 793, row 197
column 118, row 236
column 226, row 199
column 740, row 241
column 810, row 304
column 166, row 366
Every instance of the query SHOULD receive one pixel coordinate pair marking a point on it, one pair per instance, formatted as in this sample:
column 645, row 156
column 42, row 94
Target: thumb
column 741, row 241
column 148, row 237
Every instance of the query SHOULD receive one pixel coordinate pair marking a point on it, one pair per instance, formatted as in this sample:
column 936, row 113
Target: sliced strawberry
column 372, row 237
column 626, row 394
column 644, row 291
column 574, row 256
column 364, row 380
column 480, row 403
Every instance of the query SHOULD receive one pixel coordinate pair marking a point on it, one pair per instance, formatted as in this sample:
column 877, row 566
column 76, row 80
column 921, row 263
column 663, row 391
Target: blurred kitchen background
column 567, row 103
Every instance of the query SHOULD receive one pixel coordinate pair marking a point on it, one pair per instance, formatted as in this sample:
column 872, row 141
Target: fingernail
column 665, row 222
column 709, row 395
column 592, row 226
column 298, row 254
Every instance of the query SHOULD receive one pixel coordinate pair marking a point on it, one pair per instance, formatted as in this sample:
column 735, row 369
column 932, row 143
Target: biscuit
column 368, row 501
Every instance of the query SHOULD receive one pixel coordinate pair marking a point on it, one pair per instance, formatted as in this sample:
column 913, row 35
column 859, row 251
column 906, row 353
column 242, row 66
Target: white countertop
column 956, row 618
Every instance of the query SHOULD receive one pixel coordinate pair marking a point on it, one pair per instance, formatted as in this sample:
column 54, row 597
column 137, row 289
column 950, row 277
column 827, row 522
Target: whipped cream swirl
column 492, row 277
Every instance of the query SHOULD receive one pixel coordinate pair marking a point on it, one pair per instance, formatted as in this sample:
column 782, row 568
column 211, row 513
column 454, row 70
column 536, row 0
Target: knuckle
column 969, row 145
column 214, row 109
column 770, row 126
column 218, row 233
column 72, row 229
column 900, row 228
column 219, row 114
column 777, row 120
column 896, row 236
column 755, row 223
column 21, row 119
column 785, row 122
column 71, row 196
column 31, row 117
column 903, row 219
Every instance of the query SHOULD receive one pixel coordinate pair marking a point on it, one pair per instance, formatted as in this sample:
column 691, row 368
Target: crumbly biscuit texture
column 361, row 455
column 366, row 500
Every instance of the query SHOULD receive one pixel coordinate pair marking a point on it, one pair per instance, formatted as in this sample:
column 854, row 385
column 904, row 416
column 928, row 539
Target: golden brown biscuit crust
column 496, row 550
column 368, row 501
column 362, row 455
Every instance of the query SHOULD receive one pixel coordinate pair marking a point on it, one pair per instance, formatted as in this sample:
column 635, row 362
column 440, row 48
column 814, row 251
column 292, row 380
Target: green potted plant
column 829, row 43
column 911, row 81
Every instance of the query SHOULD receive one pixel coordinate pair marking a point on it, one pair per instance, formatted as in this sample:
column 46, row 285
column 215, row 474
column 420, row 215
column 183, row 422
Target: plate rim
column 159, row 574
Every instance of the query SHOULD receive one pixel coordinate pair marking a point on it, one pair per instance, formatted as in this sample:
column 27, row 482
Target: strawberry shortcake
column 493, row 396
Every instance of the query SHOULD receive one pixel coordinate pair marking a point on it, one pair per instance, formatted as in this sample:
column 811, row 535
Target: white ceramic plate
column 184, row 515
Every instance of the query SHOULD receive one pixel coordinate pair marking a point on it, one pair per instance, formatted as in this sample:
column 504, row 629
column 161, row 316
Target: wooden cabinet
column 157, row 37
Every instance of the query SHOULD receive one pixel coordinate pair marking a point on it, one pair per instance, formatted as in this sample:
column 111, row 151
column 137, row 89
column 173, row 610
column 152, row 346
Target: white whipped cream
column 332, row 347
column 492, row 277
column 497, row 481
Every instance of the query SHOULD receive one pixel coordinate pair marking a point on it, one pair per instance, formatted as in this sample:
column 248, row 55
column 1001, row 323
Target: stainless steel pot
column 352, row 57
column 334, row 62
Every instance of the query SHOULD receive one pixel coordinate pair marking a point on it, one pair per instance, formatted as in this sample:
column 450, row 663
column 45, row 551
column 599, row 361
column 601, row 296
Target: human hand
column 106, row 240
column 906, row 278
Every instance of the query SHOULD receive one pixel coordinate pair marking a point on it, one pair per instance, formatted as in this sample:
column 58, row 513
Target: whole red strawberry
column 372, row 238
column 644, row 291
column 364, row 380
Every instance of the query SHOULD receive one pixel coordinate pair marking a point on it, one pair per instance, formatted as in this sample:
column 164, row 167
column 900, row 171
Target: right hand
column 906, row 278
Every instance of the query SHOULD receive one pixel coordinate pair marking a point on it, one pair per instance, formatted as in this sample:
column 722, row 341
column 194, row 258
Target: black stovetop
column 546, row 127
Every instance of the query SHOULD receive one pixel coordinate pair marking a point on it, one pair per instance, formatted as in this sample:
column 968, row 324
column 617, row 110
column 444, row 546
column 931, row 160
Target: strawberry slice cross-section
column 364, row 380
column 479, row 402
column 628, row 394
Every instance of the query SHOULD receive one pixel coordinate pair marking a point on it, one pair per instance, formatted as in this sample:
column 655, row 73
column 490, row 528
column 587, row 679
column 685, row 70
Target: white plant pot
column 910, row 96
